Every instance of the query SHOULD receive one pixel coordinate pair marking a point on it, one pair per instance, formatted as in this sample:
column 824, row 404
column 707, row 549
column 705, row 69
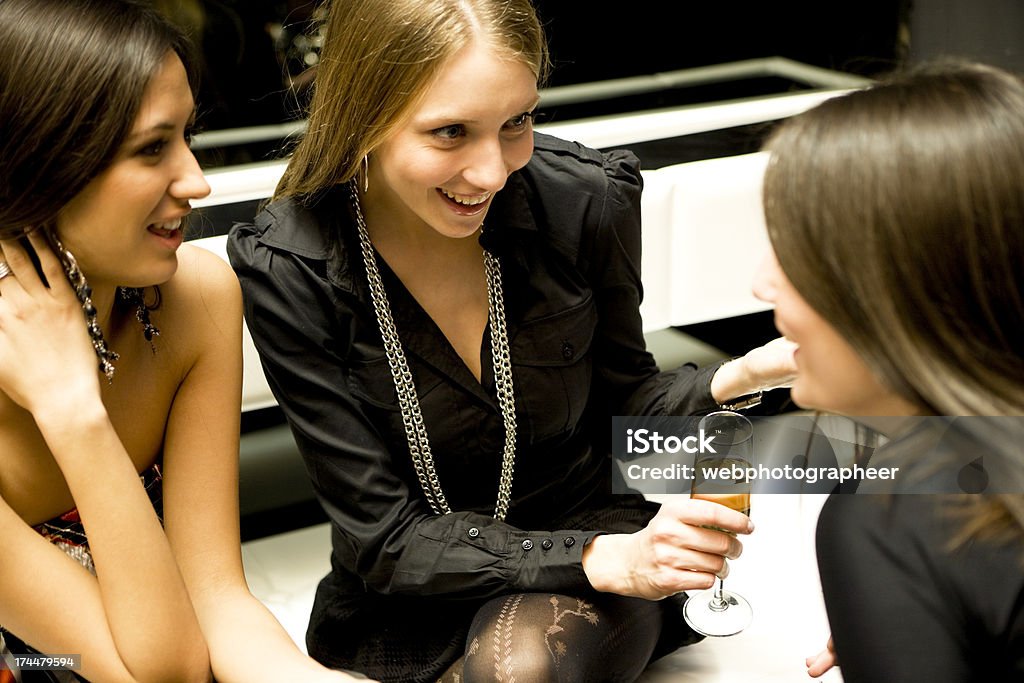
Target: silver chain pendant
column 408, row 401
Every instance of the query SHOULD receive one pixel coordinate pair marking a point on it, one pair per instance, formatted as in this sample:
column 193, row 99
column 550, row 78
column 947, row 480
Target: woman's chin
column 801, row 396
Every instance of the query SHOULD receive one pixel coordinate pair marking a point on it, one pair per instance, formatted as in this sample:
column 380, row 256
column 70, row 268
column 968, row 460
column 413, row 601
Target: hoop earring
column 83, row 291
column 366, row 173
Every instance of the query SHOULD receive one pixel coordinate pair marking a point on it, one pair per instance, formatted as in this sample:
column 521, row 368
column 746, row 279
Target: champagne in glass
column 716, row 611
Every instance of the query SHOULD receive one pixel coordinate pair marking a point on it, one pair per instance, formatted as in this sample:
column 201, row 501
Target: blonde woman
column 446, row 305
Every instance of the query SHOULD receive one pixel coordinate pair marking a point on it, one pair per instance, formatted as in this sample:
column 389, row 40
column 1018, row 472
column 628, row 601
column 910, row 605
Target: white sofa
column 703, row 237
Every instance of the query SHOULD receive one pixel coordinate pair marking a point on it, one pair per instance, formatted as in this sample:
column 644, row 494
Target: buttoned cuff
column 551, row 560
column 532, row 560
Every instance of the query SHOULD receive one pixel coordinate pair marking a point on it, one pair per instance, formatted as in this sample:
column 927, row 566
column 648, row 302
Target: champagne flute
column 716, row 611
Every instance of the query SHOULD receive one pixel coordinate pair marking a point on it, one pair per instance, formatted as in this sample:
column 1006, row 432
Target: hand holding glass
column 715, row 611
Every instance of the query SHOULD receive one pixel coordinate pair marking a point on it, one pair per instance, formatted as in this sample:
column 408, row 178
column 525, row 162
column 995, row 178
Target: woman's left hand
column 771, row 366
column 767, row 367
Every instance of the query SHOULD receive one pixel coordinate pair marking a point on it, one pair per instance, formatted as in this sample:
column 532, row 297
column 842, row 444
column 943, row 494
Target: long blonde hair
column 378, row 58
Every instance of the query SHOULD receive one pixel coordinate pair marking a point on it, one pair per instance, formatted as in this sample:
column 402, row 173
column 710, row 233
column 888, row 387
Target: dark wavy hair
column 72, row 77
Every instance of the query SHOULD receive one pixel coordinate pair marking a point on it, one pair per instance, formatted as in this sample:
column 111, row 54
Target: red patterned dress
column 67, row 533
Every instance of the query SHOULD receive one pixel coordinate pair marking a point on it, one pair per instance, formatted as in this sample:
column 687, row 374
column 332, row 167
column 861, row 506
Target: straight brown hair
column 897, row 212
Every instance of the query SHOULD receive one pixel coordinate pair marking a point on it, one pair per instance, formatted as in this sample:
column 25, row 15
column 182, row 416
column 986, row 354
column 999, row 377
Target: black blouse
column 567, row 231
column 905, row 604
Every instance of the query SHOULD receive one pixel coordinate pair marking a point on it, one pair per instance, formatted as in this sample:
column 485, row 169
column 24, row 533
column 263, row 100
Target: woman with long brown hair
column 120, row 366
column 896, row 215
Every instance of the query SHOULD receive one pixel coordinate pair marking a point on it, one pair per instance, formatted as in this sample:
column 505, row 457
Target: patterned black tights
column 541, row 637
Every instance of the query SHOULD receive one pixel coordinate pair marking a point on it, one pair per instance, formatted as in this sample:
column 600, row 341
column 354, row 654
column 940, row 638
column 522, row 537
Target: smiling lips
column 466, row 204
column 165, row 229
column 170, row 233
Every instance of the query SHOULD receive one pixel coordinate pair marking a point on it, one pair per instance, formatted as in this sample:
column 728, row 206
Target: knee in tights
column 541, row 637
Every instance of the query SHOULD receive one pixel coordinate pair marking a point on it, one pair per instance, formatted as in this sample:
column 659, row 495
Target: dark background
column 260, row 55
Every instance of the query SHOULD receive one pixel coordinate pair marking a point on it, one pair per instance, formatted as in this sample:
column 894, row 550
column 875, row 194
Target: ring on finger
column 5, row 270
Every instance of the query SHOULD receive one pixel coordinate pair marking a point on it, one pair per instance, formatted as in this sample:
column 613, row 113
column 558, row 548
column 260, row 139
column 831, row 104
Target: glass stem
column 718, row 603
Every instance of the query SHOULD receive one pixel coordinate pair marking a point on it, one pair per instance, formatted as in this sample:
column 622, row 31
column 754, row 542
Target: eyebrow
column 160, row 127
column 445, row 119
column 157, row 128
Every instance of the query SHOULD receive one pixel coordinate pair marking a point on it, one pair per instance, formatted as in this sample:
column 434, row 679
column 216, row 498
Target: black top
column 905, row 606
column 567, row 231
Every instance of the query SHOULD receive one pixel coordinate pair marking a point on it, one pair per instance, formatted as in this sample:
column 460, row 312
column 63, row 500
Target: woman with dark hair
column 896, row 215
column 96, row 104
column 446, row 306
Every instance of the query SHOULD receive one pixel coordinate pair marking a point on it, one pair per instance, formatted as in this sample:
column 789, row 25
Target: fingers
column 23, row 272
column 684, row 556
column 8, row 255
column 701, row 527
column 16, row 257
column 705, row 513
column 676, row 551
column 673, row 583
column 48, row 261
column 692, row 530
column 822, row 662
column 695, row 561
column 677, row 572
column 5, row 270
column 818, row 665
column 771, row 365
column 781, row 345
column 783, row 349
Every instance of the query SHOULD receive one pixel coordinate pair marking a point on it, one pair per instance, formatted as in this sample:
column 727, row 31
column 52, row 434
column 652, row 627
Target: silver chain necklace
column 408, row 401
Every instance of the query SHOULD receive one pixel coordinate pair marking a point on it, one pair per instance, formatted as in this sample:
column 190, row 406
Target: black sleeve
column 626, row 371
column 383, row 531
column 906, row 605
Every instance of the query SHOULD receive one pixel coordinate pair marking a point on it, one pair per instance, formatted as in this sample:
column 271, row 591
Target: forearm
column 261, row 651
column 141, row 589
column 470, row 556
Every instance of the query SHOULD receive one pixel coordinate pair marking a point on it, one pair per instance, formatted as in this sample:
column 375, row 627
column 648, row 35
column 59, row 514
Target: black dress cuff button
column 474, row 532
column 569, row 541
column 546, row 544
column 527, row 544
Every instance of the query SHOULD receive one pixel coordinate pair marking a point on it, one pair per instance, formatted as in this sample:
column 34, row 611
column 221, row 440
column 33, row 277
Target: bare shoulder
column 205, row 276
column 203, row 296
